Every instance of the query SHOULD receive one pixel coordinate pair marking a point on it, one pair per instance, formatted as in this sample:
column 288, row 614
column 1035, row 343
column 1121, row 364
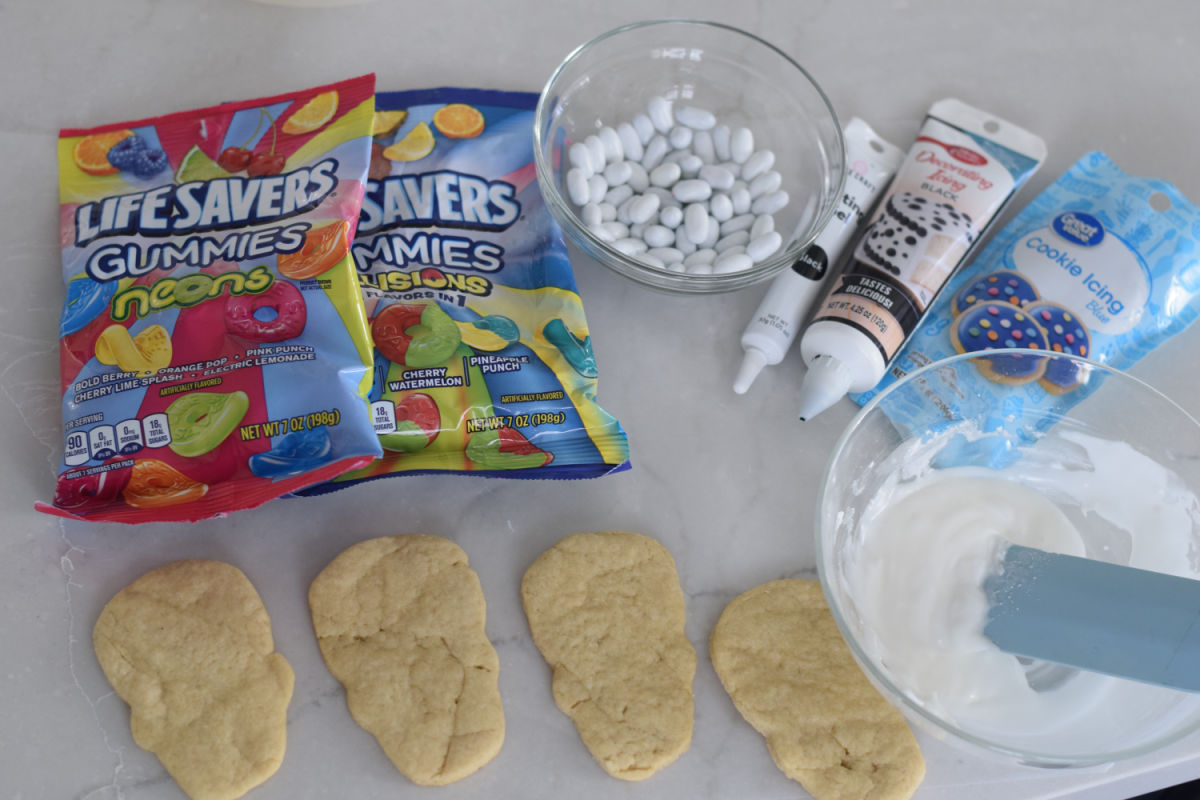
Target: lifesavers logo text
column 444, row 198
column 206, row 205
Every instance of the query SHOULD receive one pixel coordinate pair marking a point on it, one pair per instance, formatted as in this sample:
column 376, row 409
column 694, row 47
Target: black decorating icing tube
column 964, row 167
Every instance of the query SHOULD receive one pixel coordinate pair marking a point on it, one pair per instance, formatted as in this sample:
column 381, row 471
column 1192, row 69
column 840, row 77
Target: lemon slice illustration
column 415, row 145
column 313, row 114
column 387, row 121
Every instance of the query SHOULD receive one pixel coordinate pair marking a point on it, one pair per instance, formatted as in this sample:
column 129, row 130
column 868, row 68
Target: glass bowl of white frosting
column 930, row 481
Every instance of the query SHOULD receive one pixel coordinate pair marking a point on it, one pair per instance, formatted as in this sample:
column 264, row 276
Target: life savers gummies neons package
column 213, row 345
column 1100, row 265
column 483, row 360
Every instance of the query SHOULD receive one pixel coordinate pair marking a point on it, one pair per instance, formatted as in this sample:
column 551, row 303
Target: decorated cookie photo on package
column 213, row 347
column 483, row 361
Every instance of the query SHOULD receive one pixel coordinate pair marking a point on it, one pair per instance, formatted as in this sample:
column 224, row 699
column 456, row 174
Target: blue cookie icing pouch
column 1101, row 265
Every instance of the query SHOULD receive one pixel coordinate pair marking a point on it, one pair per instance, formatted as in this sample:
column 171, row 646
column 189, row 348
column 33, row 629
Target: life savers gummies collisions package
column 483, row 360
column 1101, row 265
column 213, row 346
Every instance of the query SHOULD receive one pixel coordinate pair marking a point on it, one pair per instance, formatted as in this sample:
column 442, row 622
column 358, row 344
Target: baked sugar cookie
column 607, row 613
column 400, row 622
column 188, row 646
column 781, row 657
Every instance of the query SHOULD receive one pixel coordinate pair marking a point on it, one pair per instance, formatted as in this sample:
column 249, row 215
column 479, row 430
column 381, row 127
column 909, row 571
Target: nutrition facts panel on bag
column 124, row 438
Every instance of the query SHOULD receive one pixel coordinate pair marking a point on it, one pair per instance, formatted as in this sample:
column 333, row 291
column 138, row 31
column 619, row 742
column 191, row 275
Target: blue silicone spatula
column 1095, row 616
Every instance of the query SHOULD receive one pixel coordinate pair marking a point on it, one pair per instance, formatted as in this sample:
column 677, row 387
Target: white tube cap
column 827, row 381
column 752, row 364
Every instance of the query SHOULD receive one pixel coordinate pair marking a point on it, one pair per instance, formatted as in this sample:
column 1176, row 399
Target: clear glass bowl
column 743, row 80
column 1103, row 462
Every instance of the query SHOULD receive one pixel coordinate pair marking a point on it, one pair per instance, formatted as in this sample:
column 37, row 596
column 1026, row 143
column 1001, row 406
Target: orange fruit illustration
column 323, row 248
column 91, row 152
column 313, row 114
column 458, row 121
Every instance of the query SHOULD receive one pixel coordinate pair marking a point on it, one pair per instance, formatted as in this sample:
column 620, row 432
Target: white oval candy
column 665, row 198
column 643, row 208
column 696, row 118
column 636, row 230
column 763, row 223
column 675, row 156
column 608, row 211
column 691, row 165
column 665, row 175
column 644, row 127
column 613, row 149
column 691, row 191
column 741, row 145
column 577, row 185
column 659, row 110
column 650, row 261
column 580, row 157
column 596, row 151
column 770, row 203
column 720, row 137
column 619, row 194
column 671, row 216
column 675, row 267
column 702, row 145
column 682, row 243
column 736, row 248
column 618, row 173
column 658, row 236
column 740, row 196
column 623, row 209
column 590, row 214
column 631, row 143
column 655, row 150
column 597, row 188
column 700, row 269
column 731, row 262
column 717, row 177
column 732, row 240
column 616, row 230
column 639, row 179
column 695, row 222
column 714, row 233
column 757, row 164
column 630, row 246
column 721, row 207
column 680, row 137
column 763, row 246
column 668, row 255
column 705, row 256
column 741, row 222
column 764, row 183
column 600, row 233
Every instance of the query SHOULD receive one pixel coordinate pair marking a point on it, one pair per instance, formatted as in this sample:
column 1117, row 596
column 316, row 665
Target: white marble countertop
column 727, row 483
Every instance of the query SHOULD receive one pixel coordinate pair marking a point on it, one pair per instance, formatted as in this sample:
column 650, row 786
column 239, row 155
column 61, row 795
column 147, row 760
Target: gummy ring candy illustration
column 418, row 422
column 81, row 491
column 474, row 335
column 201, row 420
column 500, row 325
column 416, row 336
column 86, row 298
column 294, row 454
column 577, row 351
column 154, row 484
column 144, row 354
column 274, row 315
column 505, row 448
column 323, row 248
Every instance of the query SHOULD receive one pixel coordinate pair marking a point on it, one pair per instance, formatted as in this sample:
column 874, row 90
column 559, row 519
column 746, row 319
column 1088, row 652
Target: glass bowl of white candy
column 689, row 156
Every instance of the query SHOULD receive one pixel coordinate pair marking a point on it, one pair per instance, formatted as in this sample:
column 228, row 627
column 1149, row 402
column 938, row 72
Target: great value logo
column 1079, row 228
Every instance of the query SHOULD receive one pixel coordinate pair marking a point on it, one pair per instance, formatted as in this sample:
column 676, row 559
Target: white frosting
column 929, row 537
